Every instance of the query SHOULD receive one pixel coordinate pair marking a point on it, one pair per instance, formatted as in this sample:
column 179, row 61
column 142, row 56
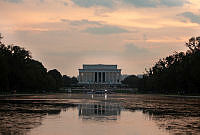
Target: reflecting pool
column 99, row 115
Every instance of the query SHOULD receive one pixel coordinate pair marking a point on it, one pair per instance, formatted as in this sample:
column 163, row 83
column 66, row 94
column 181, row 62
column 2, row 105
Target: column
column 105, row 77
column 90, row 73
column 93, row 77
column 106, row 73
column 119, row 77
column 90, row 77
column 114, row 77
column 79, row 77
column 83, row 76
column 109, row 77
column 97, row 77
column 101, row 77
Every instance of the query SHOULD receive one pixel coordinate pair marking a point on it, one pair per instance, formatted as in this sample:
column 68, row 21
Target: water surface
column 99, row 115
column 92, row 122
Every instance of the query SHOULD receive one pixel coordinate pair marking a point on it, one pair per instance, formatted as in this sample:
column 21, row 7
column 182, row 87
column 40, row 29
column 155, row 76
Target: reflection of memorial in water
column 99, row 111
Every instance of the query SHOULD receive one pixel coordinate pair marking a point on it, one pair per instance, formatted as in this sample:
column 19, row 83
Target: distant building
column 99, row 74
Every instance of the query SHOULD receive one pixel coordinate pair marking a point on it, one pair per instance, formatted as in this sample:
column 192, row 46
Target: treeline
column 178, row 73
column 20, row 72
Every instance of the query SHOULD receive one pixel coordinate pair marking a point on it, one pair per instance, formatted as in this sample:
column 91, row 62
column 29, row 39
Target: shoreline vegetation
column 19, row 72
column 177, row 74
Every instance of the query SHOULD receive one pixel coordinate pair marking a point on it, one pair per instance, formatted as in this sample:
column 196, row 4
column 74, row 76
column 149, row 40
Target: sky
column 134, row 34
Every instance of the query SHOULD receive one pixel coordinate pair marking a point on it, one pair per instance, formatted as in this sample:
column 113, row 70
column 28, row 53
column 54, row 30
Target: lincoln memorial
column 99, row 74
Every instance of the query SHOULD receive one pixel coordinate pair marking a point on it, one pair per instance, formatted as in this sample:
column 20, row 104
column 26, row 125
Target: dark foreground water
column 99, row 115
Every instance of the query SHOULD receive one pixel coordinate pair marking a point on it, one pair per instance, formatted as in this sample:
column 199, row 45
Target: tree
column 193, row 44
column 177, row 73
column 19, row 72
column 132, row 81
column 66, row 81
column 74, row 80
column 57, row 77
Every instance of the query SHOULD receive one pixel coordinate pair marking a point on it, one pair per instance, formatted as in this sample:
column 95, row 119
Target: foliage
column 66, row 81
column 177, row 73
column 19, row 72
column 132, row 81
column 57, row 77
column 69, row 81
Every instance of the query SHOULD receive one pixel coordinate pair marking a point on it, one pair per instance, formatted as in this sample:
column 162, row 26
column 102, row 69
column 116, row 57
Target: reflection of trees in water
column 22, row 116
column 18, row 123
column 99, row 111
column 179, row 115
column 185, row 125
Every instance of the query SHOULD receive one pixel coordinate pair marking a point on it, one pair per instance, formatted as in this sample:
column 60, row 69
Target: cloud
column 192, row 17
column 106, row 29
column 136, row 3
column 90, row 3
column 65, row 3
column 14, row 1
column 173, row 3
column 155, row 3
column 131, row 49
column 142, row 3
column 81, row 22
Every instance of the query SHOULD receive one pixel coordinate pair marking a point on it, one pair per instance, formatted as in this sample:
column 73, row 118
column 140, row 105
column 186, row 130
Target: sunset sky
column 134, row 34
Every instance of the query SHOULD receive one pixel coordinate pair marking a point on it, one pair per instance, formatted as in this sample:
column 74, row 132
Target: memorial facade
column 99, row 74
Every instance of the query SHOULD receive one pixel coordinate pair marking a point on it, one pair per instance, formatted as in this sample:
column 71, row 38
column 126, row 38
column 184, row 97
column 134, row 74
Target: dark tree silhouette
column 132, row 81
column 193, row 44
column 19, row 72
column 74, row 80
column 57, row 77
column 177, row 73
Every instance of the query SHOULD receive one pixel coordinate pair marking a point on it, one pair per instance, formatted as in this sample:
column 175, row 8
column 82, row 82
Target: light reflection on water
column 85, row 115
column 99, row 112
column 85, row 119
column 98, row 119
column 101, row 95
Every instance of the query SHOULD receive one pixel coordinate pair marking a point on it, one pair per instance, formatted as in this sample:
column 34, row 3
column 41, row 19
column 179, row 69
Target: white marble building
column 99, row 74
